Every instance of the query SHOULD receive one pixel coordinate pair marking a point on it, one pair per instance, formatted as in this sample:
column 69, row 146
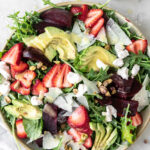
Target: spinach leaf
column 33, row 128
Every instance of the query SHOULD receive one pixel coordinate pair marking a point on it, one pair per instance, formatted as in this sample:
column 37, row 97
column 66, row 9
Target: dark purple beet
column 54, row 17
column 62, row 119
column 39, row 142
column 121, row 104
column 36, row 55
column 105, row 101
column 41, row 26
column 50, row 118
column 126, row 88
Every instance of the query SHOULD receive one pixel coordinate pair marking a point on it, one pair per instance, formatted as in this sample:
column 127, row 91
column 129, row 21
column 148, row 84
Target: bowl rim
column 119, row 16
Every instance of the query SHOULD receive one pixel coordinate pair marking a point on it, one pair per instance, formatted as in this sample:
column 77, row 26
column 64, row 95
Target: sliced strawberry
column 79, row 118
column 75, row 10
column 75, row 134
column 86, row 129
column 13, row 73
column 13, row 56
column 92, row 17
column 16, row 87
column 138, row 45
column 97, row 27
column 59, row 78
column 21, row 67
column 84, row 10
column 66, row 84
column 47, row 80
column 26, row 78
column 88, row 142
column 38, row 87
column 20, row 129
column 137, row 120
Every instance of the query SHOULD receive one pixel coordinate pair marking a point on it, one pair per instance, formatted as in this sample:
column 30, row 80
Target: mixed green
column 74, row 78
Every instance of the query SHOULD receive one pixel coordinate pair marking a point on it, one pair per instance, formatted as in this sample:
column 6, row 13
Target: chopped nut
column 107, row 94
column 7, row 99
column 63, row 126
column 75, row 91
column 103, row 89
column 32, row 68
column 57, row 62
column 39, row 65
column 145, row 141
column 99, row 83
column 17, row 85
column 96, row 101
column 44, row 68
column 107, row 82
column 114, row 92
column 107, row 47
column 20, row 117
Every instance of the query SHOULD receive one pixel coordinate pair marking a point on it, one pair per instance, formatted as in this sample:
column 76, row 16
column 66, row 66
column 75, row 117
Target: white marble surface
column 136, row 10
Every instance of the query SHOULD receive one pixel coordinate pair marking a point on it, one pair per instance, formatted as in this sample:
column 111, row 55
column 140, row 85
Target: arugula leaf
column 48, row 2
column 23, row 26
column 127, row 129
column 99, row 43
column 33, row 128
column 142, row 60
column 131, row 35
column 101, row 76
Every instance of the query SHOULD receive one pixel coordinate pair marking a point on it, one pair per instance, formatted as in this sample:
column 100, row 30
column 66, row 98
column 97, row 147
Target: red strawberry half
column 136, row 120
column 16, row 87
column 84, row 10
column 97, row 27
column 79, row 118
column 77, row 137
column 26, row 78
column 75, row 10
column 92, row 17
column 38, row 87
column 13, row 56
column 21, row 67
column 47, row 80
column 138, row 45
column 20, row 129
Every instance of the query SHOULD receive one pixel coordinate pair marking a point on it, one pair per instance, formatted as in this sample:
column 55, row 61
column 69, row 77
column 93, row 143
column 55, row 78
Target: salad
column 74, row 78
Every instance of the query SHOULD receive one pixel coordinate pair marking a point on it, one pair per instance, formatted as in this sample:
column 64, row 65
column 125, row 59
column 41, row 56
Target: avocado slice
column 40, row 42
column 111, row 140
column 109, row 129
column 50, row 53
column 62, row 42
column 92, row 54
column 23, row 109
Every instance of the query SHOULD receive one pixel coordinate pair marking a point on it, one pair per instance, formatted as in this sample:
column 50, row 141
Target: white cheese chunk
column 123, row 54
column 35, row 101
column 123, row 72
column 4, row 70
column 5, row 88
column 118, row 62
column 119, row 47
column 110, row 111
column 135, row 70
column 100, row 64
column 73, row 77
column 82, row 88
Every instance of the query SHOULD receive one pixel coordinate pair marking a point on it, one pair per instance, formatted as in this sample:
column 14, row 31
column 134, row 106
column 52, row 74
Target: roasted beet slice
column 126, row 88
column 105, row 101
column 36, row 55
column 54, row 17
column 50, row 118
column 121, row 105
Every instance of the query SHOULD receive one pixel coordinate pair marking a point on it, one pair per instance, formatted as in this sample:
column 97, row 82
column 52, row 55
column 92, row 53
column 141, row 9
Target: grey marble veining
column 138, row 11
